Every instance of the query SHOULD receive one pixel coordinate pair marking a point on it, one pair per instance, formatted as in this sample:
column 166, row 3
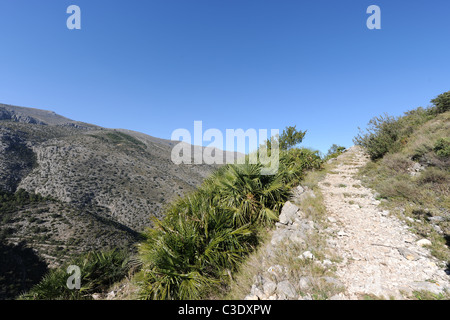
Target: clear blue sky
column 157, row 65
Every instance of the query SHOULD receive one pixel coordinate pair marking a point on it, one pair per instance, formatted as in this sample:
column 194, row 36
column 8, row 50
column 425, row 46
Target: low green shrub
column 99, row 270
column 442, row 147
column 381, row 137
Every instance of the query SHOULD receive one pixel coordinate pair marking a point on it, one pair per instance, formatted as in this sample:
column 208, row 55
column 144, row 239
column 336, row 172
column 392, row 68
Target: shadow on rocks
column 20, row 269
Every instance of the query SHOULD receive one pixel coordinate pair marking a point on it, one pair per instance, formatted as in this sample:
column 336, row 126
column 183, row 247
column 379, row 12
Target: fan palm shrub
column 253, row 198
column 187, row 252
column 295, row 162
column 99, row 270
column 205, row 235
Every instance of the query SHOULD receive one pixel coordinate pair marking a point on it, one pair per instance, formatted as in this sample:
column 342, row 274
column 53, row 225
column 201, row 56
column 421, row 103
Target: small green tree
column 291, row 137
column 334, row 151
column 442, row 102
column 288, row 139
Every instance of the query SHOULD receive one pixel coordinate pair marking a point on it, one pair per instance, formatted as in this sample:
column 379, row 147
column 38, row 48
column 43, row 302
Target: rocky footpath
column 381, row 256
column 373, row 252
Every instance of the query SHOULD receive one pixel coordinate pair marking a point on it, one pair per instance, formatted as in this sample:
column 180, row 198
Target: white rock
column 327, row 263
column 307, row 255
column 304, row 283
column 255, row 291
column 331, row 219
column 408, row 254
column 288, row 213
column 269, row 288
column 438, row 229
column 424, row 242
column 111, row 295
column 436, row 219
column 286, row 288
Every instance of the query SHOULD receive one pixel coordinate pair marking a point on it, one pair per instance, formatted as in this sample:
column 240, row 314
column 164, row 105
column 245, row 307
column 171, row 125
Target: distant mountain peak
column 37, row 116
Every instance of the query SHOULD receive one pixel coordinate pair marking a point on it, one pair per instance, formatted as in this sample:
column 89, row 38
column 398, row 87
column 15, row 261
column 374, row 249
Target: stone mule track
column 380, row 256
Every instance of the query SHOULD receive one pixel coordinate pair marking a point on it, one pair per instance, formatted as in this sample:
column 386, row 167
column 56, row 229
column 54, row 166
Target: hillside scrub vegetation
column 410, row 170
column 389, row 134
column 10, row 201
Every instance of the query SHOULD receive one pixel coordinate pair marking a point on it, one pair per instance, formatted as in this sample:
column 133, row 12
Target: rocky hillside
column 98, row 187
